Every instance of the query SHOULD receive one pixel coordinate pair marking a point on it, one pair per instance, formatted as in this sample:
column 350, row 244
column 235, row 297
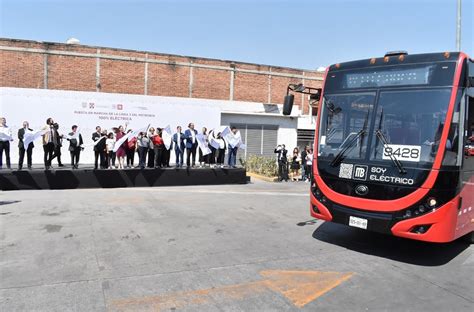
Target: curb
column 261, row 177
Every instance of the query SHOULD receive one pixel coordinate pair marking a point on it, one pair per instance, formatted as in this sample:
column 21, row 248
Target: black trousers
column 151, row 158
column 110, row 159
column 282, row 170
column 130, row 156
column 212, row 155
column 166, row 157
column 75, row 154
column 29, row 154
column 158, row 152
column 203, row 158
column 99, row 155
column 5, row 146
column 220, row 156
column 48, row 154
column 57, row 154
column 189, row 152
column 309, row 172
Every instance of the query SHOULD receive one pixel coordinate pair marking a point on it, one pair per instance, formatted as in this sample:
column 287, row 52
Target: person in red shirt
column 158, row 146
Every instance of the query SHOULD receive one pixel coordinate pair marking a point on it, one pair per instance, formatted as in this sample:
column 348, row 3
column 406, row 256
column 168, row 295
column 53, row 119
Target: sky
column 291, row 33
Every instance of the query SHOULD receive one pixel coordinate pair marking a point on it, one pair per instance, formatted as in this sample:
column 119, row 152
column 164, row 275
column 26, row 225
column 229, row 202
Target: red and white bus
column 392, row 145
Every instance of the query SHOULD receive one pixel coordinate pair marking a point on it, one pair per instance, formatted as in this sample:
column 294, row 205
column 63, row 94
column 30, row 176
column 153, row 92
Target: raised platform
column 89, row 178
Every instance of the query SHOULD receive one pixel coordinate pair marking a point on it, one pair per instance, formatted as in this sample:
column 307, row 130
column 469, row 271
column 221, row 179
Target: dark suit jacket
column 74, row 144
column 21, row 135
column 180, row 144
column 95, row 137
column 281, row 155
column 189, row 139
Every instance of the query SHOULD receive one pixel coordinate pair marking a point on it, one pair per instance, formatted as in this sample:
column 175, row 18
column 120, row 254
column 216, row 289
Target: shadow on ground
column 390, row 247
column 8, row 202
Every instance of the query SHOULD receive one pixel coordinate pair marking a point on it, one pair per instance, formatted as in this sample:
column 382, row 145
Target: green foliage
column 262, row 165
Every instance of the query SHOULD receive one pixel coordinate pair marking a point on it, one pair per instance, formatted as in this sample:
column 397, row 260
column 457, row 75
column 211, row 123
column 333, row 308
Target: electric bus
column 393, row 145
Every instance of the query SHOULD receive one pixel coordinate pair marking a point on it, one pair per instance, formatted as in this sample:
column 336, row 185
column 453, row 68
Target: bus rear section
column 393, row 146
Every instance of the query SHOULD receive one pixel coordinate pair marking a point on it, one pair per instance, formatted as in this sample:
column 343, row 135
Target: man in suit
column 179, row 146
column 99, row 148
column 75, row 142
column 48, row 142
column 58, row 143
column 21, row 147
column 191, row 144
column 282, row 162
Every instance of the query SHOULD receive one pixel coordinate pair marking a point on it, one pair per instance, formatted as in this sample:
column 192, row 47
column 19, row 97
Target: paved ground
column 215, row 248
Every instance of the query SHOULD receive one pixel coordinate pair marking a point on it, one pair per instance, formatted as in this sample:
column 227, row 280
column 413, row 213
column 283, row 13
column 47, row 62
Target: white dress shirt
column 193, row 136
column 5, row 134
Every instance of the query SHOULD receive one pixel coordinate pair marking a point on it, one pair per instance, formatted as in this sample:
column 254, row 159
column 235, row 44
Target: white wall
column 89, row 109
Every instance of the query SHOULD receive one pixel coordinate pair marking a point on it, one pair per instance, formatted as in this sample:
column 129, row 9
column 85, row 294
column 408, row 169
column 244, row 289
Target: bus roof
column 397, row 60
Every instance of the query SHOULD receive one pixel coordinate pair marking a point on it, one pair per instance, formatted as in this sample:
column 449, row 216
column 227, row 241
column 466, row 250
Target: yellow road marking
column 299, row 287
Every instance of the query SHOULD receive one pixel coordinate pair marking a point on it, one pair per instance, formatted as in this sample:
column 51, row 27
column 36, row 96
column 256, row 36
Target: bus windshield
column 405, row 124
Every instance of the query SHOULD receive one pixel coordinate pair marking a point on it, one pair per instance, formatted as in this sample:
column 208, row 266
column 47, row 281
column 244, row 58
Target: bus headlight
column 424, row 206
column 432, row 202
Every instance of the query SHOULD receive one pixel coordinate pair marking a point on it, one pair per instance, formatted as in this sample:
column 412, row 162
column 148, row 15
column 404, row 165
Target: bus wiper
column 350, row 145
column 395, row 161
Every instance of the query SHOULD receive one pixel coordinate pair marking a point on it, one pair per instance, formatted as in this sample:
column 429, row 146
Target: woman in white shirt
column 109, row 145
column 5, row 138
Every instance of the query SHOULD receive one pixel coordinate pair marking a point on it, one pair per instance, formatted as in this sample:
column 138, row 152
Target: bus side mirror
column 315, row 96
column 288, row 104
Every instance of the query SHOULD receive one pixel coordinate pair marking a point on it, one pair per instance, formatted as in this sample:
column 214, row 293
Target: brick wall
column 31, row 64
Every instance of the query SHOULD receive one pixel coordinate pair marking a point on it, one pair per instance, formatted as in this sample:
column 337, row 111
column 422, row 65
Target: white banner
column 5, row 137
column 213, row 142
column 166, row 136
column 31, row 136
column 201, row 139
column 225, row 132
column 234, row 140
column 129, row 135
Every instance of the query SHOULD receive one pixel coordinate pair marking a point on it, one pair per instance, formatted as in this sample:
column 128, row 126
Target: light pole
column 458, row 27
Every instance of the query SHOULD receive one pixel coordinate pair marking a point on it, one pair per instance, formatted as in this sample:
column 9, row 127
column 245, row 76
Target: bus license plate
column 358, row 222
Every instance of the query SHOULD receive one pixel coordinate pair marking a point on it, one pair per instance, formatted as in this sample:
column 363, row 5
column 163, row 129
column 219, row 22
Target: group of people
column 289, row 167
column 51, row 139
column 117, row 148
column 153, row 152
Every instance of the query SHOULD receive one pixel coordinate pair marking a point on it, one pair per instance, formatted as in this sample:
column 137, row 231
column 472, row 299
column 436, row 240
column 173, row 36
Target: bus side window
column 468, row 163
column 469, row 135
column 453, row 149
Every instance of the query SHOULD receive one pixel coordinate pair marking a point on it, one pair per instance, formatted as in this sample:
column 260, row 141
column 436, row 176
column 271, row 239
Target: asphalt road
column 215, row 248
